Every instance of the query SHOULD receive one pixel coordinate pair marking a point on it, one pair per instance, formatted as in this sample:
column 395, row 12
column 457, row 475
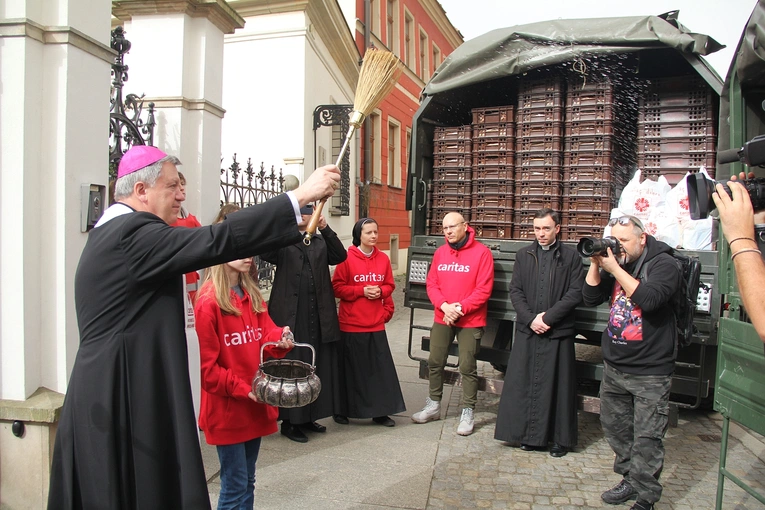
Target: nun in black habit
column 127, row 437
column 302, row 298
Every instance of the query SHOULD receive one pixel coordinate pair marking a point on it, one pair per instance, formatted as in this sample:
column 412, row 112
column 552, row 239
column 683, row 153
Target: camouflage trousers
column 634, row 414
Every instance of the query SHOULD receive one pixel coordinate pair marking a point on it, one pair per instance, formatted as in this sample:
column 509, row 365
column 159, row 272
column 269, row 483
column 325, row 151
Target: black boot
column 293, row 432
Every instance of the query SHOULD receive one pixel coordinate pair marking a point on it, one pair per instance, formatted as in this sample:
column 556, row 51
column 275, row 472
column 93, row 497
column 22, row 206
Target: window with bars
column 339, row 202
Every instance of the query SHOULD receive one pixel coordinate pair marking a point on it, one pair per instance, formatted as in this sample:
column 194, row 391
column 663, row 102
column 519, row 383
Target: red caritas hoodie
column 229, row 349
column 464, row 276
column 357, row 313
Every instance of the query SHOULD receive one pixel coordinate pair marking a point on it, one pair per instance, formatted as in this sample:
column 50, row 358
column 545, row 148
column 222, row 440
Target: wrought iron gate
column 126, row 127
column 245, row 187
column 336, row 116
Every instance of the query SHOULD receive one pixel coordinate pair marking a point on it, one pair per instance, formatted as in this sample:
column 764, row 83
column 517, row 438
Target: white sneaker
column 431, row 411
column 465, row 427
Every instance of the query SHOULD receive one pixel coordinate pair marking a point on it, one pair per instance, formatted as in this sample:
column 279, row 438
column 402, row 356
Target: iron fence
column 249, row 186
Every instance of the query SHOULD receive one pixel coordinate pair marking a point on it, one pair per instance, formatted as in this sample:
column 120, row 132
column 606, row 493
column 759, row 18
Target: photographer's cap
column 138, row 157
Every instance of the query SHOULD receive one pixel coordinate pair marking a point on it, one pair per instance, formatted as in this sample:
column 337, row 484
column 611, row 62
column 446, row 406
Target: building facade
column 421, row 35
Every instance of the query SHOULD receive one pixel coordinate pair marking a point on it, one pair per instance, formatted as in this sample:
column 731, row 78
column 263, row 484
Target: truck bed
column 695, row 369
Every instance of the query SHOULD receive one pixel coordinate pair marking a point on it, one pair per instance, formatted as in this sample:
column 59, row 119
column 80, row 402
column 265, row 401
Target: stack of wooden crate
column 539, row 151
column 599, row 154
column 676, row 128
column 452, row 175
column 493, row 171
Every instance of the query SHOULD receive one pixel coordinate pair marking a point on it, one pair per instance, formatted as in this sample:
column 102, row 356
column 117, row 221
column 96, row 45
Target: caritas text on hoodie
column 464, row 276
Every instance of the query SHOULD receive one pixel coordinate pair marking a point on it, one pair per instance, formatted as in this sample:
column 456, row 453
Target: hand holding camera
column 601, row 252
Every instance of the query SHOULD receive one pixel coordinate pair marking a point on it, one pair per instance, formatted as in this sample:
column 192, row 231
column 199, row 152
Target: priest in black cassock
column 127, row 436
column 538, row 402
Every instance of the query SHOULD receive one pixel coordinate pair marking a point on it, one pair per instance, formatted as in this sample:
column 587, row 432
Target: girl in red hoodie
column 232, row 323
column 364, row 284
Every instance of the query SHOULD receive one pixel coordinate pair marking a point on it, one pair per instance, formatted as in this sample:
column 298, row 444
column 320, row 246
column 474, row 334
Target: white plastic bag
column 663, row 225
column 694, row 235
column 677, row 197
column 638, row 198
column 697, row 234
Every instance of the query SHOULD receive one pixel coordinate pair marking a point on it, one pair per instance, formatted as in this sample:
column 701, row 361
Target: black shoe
column 294, row 433
column 339, row 418
column 621, row 492
column 642, row 505
column 557, row 450
column 313, row 427
column 384, row 421
column 528, row 448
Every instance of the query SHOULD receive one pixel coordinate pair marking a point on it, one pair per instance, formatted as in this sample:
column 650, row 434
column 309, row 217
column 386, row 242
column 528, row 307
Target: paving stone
column 456, row 473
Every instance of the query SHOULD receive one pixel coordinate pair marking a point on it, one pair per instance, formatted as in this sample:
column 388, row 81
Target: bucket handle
column 296, row 344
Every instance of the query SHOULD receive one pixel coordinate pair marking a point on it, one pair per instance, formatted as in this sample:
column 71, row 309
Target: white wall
column 48, row 147
column 263, row 82
column 275, row 73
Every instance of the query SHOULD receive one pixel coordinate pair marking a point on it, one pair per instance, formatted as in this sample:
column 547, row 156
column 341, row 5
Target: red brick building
column 421, row 35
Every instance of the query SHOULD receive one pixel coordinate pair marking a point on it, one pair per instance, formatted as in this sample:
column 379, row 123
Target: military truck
column 490, row 75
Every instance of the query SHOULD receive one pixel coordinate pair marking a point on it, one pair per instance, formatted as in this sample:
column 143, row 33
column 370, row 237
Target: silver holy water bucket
column 286, row 382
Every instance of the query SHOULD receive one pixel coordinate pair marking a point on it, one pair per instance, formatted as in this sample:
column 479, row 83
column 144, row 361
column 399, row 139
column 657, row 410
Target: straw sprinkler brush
column 378, row 75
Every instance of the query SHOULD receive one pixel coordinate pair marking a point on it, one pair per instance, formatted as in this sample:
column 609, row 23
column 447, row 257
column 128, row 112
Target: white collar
column 114, row 210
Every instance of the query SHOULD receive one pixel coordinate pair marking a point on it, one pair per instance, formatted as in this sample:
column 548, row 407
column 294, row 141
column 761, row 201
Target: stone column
column 185, row 82
column 54, row 117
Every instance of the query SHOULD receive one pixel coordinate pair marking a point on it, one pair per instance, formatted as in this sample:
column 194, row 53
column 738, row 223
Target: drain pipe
column 366, row 172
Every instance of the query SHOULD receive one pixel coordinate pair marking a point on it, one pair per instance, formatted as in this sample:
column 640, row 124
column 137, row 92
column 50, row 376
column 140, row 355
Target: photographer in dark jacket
column 538, row 402
column 639, row 346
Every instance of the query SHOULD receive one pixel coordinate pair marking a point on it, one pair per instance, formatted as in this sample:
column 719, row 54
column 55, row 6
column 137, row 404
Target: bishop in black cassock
column 127, row 436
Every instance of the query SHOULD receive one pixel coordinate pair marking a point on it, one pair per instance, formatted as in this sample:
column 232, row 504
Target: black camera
column 591, row 246
column 700, row 191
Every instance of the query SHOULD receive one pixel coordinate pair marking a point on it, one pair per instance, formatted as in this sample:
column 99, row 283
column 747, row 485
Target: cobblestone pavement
column 480, row 472
column 429, row 466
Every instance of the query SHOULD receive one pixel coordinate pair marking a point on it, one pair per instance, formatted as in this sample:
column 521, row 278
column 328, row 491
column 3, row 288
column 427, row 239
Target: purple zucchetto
column 138, row 157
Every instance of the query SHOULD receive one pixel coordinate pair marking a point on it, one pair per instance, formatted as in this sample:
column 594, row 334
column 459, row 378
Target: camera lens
column 589, row 246
column 756, row 190
column 700, row 191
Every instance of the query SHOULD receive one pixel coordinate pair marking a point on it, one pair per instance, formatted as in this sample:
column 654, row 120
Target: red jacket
column 192, row 278
column 464, row 276
column 358, row 314
column 229, row 349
